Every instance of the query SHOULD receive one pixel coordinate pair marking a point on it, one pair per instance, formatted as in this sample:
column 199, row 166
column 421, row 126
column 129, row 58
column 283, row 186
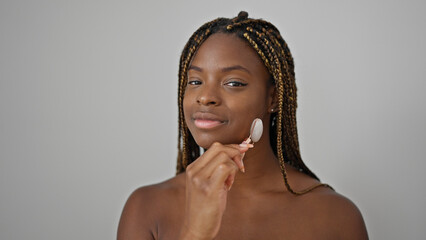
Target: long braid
column 275, row 54
column 289, row 68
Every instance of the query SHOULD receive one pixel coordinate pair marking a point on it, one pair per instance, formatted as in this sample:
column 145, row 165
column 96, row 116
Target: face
column 228, row 87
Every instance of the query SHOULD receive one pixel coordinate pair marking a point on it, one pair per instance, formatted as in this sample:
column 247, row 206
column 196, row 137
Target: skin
column 214, row 199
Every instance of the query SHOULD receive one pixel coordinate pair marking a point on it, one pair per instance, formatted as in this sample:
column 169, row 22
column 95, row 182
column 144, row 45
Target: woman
column 231, row 72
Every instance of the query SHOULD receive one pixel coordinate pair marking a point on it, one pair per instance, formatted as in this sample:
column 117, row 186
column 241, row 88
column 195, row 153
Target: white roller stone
column 256, row 129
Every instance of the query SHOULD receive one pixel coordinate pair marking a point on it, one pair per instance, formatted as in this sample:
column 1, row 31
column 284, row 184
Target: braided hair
column 275, row 54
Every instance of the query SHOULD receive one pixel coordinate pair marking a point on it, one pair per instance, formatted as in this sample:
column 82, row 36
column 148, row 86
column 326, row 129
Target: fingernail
column 243, row 169
column 243, row 145
column 246, row 145
column 230, row 185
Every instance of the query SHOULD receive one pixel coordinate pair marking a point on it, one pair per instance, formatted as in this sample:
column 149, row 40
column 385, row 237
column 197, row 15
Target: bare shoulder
column 337, row 214
column 146, row 205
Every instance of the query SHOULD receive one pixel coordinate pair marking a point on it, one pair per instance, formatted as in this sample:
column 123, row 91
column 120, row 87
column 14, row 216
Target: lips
column 206, row 120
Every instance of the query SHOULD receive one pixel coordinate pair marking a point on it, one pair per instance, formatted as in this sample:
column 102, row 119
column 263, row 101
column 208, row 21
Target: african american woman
column 231, row 72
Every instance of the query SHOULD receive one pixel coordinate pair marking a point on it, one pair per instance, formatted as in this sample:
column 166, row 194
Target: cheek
column 186, row 106
column 251, row 105
column 244, row 111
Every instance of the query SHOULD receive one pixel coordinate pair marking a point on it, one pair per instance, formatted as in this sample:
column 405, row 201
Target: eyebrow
column 192, row 67
column 236, row 67
column 226, row 69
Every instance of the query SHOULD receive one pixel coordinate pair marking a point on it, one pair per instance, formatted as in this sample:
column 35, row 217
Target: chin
column 206, row 140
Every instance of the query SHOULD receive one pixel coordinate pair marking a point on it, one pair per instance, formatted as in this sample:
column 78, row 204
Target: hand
column 208, row 180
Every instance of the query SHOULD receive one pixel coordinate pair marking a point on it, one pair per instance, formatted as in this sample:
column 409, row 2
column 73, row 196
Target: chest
column 257, row 219
column 272, row 221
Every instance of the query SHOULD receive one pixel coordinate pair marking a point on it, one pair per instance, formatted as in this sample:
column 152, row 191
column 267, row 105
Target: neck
column 261, row 167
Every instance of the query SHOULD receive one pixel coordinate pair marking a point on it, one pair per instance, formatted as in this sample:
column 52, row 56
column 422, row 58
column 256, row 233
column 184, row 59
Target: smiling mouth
column 207, row 123
column 206, row 120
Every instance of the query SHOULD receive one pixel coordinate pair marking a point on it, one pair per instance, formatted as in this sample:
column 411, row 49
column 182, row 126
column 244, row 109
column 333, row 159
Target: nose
column 208, row 96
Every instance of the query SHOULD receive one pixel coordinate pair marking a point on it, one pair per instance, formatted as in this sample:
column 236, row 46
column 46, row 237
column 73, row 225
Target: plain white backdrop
column 88, row 93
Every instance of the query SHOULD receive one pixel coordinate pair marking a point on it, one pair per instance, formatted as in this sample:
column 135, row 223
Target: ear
column 272, row 99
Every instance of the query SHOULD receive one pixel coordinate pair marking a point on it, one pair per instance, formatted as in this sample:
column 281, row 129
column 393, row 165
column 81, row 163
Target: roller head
column 256, row 129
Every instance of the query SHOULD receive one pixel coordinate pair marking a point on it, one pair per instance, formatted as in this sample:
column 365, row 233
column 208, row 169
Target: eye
column 236, row 84
column 194, row 82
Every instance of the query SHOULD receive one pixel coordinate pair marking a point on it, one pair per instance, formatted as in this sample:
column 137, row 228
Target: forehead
column 222, row 50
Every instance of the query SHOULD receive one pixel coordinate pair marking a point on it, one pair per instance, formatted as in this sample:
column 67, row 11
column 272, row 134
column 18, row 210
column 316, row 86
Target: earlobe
column 274, row 108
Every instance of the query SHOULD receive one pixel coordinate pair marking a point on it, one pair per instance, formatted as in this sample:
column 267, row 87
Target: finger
column 239, row 158
column 229, row 181
column 216, row 161
column 200, row 162
column 243, row 147
column 242, row 161
column 202, row 179
column 216, row 147
column 224, row 175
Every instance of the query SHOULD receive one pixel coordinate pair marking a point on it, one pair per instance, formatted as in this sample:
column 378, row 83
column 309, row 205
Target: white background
column 88, row 94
